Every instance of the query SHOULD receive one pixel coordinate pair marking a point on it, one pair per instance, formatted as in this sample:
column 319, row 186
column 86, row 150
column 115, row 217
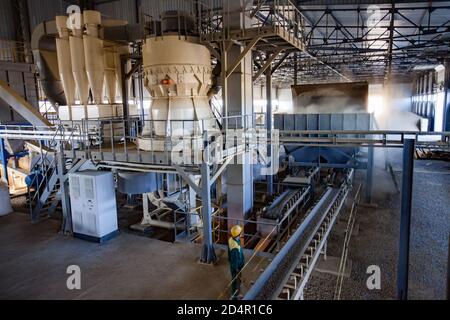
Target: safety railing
column 187, row 224
column 364, row 138
column 279, row 15
column 135, row 139
column 208, row 19
column 346, row 245
column 130, row 139
column 305, row 243
column 257, row 228
column 43, row 170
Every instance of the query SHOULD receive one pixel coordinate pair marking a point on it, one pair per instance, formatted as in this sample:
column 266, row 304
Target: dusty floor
column 377, row 240
column 34, row 258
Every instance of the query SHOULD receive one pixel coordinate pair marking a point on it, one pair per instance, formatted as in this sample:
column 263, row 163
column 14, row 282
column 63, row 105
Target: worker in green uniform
column 236, row 259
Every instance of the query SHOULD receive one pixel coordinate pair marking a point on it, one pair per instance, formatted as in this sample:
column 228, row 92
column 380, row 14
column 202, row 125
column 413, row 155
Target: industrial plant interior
column 145, row 144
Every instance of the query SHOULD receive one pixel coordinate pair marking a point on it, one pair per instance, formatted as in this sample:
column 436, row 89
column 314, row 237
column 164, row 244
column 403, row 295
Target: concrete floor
column 377, row 240
column 34, row 258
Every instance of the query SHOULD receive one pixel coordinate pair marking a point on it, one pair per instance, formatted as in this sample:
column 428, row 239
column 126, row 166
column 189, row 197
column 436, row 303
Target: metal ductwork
column 43, row 45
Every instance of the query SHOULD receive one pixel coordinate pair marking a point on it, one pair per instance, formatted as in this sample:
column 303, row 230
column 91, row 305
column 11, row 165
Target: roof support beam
column 241, row 56
column 267, row 64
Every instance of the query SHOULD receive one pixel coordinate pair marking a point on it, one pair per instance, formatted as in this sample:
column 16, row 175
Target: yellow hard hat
column 236, row 231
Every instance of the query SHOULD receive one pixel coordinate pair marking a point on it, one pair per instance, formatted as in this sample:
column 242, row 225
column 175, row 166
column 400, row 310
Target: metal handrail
column 278, row 14
column 355, row 138
column 348, row 234
column 48, row 167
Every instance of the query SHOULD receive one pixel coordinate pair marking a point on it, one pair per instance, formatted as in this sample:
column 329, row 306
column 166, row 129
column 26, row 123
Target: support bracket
column 241, row 56
column 267, row 64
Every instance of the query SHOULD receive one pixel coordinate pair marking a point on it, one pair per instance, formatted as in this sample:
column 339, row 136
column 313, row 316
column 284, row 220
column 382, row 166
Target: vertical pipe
column 369, row 174
column 25, row 29
column 295, row 68
column 224, row 66
column 446, row 126
column 405, row 219
column 66, row 226
column 4, row 160
column 141, row 91
column 123, row 64
column 269, row 126
column 208, row 254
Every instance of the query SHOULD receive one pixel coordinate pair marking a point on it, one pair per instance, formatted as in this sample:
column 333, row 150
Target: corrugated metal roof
column 120, row 9
column 155, row 8
column 44, row 10
column 8, row 29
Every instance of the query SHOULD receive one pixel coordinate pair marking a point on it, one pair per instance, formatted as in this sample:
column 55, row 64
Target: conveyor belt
column 278, row 208
column 297, row 257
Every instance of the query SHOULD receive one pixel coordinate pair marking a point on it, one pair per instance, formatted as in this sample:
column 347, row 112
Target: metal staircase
column 45, row 183
column 45, row 190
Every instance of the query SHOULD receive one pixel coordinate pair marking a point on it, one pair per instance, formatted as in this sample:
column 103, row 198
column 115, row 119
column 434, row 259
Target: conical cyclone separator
column 64, row 60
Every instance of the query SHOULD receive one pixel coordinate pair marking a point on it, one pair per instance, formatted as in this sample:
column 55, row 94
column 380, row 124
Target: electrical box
column 93, row 203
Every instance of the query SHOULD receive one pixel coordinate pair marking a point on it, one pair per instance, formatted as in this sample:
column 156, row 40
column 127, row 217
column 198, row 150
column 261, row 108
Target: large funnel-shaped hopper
column 64, row 63
column 93, row 53
column 121, row 50
column 177, row 74
column 79, row 68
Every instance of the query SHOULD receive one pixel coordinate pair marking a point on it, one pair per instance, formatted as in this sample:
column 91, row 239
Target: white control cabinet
column 93, row 203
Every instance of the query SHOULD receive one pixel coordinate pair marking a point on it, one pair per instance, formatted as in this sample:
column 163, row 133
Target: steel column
column 238, row 87
column 269, row 125
column 295, row 68
column 4, row 160
column 405, row 219
column 208, row 254
column 25, row 29
column 124, row 89
column 446, row 126
column 369, row 174
column 66, row 226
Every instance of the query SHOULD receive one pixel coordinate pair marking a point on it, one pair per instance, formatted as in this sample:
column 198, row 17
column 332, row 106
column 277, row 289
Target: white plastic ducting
column 177, row 74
